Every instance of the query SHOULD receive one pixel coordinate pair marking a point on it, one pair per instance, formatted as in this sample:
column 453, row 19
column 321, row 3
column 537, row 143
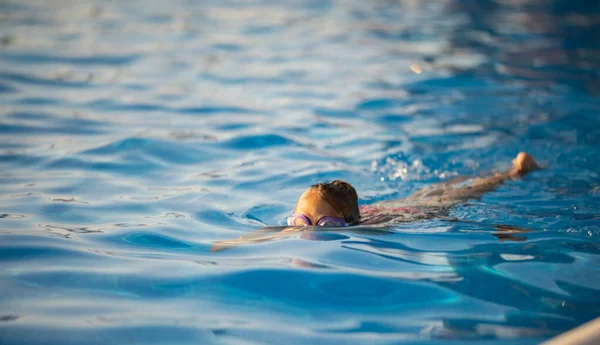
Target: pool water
column 137, row 134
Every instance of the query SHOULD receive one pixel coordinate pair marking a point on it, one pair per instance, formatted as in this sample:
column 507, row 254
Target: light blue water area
column 136, row 134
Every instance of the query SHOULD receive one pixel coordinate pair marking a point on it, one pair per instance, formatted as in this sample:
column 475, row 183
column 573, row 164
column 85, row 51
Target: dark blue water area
column 138, row 138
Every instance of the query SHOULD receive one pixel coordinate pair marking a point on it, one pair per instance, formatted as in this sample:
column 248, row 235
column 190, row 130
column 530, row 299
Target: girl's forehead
column 309, row 193
column 310, row 203
column 310, row 196
column 307, row 197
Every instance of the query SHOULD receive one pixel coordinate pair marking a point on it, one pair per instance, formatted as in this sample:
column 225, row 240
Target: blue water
column 136, row 134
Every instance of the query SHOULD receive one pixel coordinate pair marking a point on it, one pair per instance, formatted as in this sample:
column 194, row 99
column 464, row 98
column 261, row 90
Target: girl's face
column 315, row 208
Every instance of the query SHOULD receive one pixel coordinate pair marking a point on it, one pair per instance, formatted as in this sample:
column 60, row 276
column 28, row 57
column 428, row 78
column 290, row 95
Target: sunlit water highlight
column 136, row 134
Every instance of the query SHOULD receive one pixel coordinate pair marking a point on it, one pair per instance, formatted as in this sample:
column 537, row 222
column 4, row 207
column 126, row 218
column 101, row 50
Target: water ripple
column 36, row 59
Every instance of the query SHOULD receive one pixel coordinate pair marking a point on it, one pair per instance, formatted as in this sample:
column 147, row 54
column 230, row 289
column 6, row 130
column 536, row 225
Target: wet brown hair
column 341, row 196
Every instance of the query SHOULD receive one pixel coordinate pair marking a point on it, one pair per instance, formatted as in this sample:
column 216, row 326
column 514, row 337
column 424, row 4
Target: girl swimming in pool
column 335, row 204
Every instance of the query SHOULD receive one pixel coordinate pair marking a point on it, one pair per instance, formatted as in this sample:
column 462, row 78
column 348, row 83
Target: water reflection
column 541, row 43
column 489, row 272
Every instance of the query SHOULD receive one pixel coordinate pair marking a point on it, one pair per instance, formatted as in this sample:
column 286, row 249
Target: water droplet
column 416, row 68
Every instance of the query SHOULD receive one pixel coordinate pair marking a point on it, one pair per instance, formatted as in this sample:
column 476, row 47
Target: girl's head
column 336, row 199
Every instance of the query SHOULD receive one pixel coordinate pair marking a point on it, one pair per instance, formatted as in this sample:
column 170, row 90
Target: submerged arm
column 273, row 233
column 265, row 234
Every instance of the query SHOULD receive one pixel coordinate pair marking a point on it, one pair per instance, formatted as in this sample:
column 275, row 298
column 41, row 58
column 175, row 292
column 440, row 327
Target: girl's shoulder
column 388, row 209
column 381, row 213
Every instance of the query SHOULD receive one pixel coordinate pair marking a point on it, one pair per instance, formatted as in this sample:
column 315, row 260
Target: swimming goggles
column 302, row 220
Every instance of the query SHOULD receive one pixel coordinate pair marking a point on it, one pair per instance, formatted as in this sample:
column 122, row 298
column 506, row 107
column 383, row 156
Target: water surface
column 134, row 135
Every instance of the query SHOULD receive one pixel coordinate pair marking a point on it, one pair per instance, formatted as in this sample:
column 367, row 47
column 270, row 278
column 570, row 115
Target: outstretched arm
column 463, row 188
